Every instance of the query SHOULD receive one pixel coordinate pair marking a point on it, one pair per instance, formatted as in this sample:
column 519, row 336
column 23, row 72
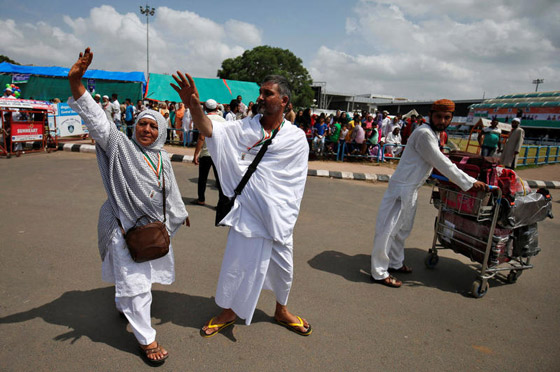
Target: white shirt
column 386, row 126
column 186, row 122
column 230, row 116
column 420, row 156
column 117, row 110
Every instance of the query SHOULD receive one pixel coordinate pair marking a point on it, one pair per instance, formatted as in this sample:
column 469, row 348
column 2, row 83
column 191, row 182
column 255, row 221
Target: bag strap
column 164, row 199
column 253, row 166
column 164, row 203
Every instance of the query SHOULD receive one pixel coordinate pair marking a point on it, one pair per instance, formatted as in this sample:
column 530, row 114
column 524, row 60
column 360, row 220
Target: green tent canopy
column 221, row 90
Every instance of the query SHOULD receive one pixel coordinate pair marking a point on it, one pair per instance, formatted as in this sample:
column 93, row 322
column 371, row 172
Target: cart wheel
column 8, row 156
column 431, row 260
column 513, row 276
column 18, row 153
column 479, row 289
column 49, row 150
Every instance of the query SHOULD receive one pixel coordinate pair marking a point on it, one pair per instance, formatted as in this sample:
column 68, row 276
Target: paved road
column 56, row 313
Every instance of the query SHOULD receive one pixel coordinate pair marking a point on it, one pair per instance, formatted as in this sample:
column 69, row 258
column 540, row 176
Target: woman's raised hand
column 186, row 89
column 79, row 68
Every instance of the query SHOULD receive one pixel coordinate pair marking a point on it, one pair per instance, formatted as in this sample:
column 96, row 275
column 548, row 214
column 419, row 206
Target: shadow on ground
column 450, row 274
column 93, row 314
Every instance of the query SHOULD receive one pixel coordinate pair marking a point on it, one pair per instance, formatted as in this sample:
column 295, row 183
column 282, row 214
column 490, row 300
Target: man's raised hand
column 79, row 68
column 186, row 89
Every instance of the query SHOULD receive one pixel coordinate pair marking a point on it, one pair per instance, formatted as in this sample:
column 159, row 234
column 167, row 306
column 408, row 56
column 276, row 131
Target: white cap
column 516, row 119
column 106, row 96
column 211, row 104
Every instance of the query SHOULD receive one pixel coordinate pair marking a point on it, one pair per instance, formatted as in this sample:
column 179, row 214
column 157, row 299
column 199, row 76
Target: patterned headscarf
column 129, row 181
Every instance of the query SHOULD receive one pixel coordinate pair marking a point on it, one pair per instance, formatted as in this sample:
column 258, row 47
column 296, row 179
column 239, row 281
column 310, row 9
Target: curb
column 534, row 184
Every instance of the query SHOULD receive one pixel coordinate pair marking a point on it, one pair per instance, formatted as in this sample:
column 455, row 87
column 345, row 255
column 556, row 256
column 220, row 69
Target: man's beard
column 260, row 108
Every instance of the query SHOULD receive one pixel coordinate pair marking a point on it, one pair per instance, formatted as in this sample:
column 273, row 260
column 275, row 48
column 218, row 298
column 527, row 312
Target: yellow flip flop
column 219, row 328
column 294, row 326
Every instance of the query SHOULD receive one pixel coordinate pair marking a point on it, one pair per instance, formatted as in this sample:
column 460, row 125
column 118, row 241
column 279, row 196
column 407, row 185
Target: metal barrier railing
column 542, row 155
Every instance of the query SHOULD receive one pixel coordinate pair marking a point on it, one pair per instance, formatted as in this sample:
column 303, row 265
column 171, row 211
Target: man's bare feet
column 154, row 352
column 217, row 323
column 284, row 317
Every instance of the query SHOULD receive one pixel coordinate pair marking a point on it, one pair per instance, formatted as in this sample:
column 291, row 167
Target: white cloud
column 178, row 40
column 459, row 48
column 243, row 33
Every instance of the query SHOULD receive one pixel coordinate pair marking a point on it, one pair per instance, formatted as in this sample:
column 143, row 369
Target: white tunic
column 513, row 146
column 398, row 207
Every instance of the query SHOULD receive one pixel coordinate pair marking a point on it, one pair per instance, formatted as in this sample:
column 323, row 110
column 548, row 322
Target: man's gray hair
column 283, row 85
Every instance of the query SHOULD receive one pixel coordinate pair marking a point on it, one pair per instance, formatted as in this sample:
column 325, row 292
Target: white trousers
column 394, row 224
column 137, row 311
column 250, row 265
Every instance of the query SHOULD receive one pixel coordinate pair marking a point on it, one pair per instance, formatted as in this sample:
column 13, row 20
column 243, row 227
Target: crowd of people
column 362, row 133
column 178, row 118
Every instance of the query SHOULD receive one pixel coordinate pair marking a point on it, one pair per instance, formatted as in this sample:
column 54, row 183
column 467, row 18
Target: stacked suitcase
column 497, row 229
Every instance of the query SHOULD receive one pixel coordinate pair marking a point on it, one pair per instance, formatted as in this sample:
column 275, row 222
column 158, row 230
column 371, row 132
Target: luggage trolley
column 467, row 224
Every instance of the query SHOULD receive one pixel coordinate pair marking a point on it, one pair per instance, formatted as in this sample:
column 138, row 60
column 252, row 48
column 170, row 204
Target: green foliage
column 253, row 65
column 4, row 58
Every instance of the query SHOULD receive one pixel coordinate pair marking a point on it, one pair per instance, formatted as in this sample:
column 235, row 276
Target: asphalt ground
column 57, row 315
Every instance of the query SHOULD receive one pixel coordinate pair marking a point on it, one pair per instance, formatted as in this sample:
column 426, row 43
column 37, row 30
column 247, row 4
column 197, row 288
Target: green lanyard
column 156, row 169
column 266, row 136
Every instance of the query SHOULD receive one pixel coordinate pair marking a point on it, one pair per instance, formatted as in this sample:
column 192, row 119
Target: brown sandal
column 389, row 281
column 403, row 270
column 146, row 353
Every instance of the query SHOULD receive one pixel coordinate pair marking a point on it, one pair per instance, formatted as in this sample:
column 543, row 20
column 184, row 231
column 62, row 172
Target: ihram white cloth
column 259, row 249
column 132, row 191
column 249, row 266
column 268, row 207
column 398, row 207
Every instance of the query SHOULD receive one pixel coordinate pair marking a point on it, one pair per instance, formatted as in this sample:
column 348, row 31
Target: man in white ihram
column 259, row 250
column 398, row 207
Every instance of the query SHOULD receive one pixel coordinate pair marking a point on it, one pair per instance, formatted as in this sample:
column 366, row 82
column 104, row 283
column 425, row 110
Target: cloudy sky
column 419, row 49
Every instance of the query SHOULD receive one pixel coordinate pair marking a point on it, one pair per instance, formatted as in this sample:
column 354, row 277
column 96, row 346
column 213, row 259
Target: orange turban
column 443, row 105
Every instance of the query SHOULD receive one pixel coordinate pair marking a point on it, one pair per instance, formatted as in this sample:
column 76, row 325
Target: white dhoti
column 249, row 266
column 394, row 224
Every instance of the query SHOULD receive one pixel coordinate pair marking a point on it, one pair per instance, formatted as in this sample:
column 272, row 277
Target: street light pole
column 148, row 12
column 537, row 82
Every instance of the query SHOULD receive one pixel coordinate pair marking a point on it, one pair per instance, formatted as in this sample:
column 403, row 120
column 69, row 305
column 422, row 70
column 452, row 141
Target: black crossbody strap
column 253, row 167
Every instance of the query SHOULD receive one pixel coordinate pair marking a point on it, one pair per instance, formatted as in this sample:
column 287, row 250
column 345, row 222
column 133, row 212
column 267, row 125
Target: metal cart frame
column 486, row 210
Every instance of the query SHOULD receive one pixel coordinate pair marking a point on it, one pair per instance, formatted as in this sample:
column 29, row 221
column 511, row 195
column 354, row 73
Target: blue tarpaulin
column 8, row 68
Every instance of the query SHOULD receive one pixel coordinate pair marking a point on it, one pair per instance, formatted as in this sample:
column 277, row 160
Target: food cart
column 24, row 126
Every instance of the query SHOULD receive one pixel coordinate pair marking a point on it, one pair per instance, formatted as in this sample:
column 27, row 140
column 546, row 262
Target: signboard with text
column 27, row 132
column 68, row 122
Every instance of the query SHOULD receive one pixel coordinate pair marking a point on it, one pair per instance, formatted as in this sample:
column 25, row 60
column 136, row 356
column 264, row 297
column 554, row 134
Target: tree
column 255, row 64
column 4, row 58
